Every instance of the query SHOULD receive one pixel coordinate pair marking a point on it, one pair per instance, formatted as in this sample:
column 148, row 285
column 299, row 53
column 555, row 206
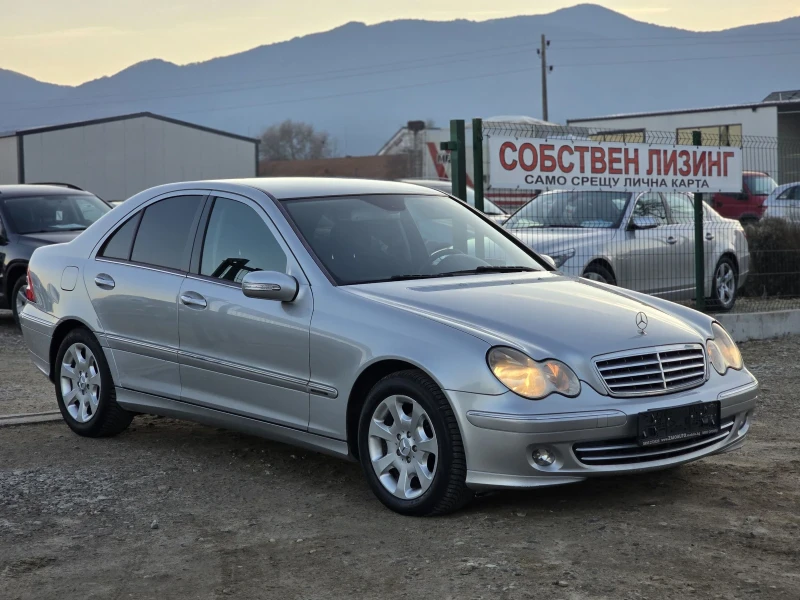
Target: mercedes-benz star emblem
column 641, row 322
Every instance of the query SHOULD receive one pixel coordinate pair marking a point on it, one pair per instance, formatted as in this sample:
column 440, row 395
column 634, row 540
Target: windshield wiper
column 489, row 269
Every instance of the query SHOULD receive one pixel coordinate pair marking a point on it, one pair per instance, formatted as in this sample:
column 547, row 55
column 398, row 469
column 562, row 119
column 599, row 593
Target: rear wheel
column 599, row 272
column 724, row 285
column 84, row 388
column 18, row 299
column 410, row 446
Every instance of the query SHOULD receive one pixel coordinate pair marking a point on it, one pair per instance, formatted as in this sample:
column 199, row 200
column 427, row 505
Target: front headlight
column 534, row 380
column 562, row 256
column 722, row 351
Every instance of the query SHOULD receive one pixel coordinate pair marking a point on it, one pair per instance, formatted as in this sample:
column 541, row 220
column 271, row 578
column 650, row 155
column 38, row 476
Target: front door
column 243, row 355
column 681, row 229
column 646, row 258
column 133, row 283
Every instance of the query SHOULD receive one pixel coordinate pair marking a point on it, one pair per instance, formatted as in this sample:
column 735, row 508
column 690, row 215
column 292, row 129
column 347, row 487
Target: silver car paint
column 444, row 327
column 633, row 253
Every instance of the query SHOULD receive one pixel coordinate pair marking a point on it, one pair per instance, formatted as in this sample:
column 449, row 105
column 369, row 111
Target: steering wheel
column 437, row 257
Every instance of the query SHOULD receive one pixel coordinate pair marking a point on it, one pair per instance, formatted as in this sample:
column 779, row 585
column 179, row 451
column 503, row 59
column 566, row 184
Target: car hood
column 545, row 314
column 45, row 239
column 549, row 240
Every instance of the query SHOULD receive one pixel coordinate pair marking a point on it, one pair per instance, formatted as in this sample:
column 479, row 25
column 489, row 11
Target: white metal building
column 770, row 130
column 117, row 157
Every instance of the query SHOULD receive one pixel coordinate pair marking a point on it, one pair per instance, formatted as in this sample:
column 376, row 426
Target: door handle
column 671, row 240
column 105, row 282
column 194, row 300
column 709, row 236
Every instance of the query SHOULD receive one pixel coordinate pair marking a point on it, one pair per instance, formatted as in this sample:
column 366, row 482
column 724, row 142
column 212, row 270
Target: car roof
column 21, row 190
column 284, row 188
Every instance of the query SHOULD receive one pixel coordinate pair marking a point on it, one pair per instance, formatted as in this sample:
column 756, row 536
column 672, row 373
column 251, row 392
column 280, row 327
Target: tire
column 87, row 412
column 598, row 272
column 724, row 285
column 440, row 486
column 17, row 299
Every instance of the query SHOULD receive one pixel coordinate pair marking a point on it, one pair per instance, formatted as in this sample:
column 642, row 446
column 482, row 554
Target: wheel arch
column 366, row 380
column 59, row 333
column 14, row 271
column 604, row 262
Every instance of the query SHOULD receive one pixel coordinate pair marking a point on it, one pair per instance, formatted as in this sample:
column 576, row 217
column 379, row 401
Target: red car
column 748, row 206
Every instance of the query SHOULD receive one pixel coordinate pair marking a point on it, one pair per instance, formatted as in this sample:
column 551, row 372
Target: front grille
column 627, row 451
column 657, row 371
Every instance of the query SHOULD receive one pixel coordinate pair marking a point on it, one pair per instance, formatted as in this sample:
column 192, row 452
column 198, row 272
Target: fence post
column 477, row 162
column 458, row 159
column 699, row 257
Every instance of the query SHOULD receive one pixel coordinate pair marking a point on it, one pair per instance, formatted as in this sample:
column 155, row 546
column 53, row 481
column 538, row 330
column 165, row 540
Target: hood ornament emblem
column 641, row 322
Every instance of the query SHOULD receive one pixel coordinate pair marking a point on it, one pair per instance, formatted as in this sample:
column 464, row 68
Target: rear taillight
column 29, row 293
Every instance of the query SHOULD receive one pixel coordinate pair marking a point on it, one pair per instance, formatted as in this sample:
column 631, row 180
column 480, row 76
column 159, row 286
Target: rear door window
column 681, row 207
column 165, row 234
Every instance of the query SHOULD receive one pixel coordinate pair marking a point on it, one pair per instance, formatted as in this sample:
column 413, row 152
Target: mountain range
column 361, row 83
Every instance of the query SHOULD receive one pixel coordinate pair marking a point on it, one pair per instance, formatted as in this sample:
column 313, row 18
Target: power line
column 668, row 60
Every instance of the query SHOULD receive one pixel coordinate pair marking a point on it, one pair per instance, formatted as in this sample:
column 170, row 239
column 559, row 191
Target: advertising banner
column 554, row 164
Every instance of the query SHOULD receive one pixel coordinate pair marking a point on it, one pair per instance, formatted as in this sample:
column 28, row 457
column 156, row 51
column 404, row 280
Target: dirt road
column 177, row 510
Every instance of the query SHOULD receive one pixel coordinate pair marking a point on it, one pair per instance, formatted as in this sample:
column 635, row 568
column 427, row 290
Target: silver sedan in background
column 381, row 322
column 642, row 242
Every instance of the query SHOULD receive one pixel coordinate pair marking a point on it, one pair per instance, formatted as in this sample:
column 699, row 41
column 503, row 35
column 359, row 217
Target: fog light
column 543, row 457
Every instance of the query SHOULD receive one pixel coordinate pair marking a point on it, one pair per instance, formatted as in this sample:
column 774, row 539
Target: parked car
column 748, row 206
column 643, row 242
column 312, row 311
column 33, row 216
column 490, row 209
column 784, row 203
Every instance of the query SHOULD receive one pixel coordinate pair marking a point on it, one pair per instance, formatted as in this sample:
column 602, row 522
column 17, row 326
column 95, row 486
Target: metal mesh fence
column 645, row 240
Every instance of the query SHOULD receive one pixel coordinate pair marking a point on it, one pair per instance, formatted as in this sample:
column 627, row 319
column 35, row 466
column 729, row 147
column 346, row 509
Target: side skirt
column 156, row 405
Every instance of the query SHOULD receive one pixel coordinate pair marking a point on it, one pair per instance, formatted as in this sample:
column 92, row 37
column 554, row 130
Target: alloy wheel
column 592, row 276
column 80, row 383
column 725, row 280
column 21, row 300
column 403, row 449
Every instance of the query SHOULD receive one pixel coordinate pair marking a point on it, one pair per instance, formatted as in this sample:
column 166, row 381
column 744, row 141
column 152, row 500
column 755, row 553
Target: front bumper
column 500, row 433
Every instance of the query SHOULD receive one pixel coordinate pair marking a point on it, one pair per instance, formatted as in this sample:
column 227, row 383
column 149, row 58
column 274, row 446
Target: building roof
column 126, row 118
column 779, row 96
column 752, row 105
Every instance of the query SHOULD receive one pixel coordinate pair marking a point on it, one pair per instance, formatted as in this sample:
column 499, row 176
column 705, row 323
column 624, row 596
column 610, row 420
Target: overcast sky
column 72, row 41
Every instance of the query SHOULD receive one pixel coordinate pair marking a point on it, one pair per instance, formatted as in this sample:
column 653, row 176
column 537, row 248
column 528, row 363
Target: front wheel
column 724, row 285
column 410, row 446
column 598, row 272
column 85, row 389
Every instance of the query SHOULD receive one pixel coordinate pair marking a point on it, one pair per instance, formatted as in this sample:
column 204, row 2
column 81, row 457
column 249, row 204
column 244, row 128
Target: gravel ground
column 178, row 510
column 23, row 389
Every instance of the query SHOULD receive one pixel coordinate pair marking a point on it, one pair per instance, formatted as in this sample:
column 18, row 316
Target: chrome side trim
column 148, row 403
column 144, row 348
column 136, row 265
column 750, row 387
column 551, row 423
column 25, row 316
column 261, row 375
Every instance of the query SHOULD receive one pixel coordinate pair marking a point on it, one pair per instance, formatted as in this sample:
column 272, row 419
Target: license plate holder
column 667, row 425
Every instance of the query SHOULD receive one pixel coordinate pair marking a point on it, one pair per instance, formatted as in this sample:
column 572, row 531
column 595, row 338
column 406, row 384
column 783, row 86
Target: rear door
column 681, row 230
column 134, row 281
column 243, row 355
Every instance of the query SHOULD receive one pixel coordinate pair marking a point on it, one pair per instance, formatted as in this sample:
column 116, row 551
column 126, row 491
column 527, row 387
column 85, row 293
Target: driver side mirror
column 644, row 223
column 270, row 285
column 549, row 260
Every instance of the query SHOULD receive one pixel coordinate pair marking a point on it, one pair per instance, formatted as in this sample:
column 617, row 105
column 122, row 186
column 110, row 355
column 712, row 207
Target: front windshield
column 380, row 238
column 760, row 185
column 52, row 213
column 592, row 210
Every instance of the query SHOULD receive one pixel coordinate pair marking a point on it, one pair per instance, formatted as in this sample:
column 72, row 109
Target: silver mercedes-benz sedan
column 643, row 242
column 377, row 321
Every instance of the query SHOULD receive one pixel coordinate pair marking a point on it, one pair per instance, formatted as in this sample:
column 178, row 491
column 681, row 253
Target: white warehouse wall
column 117, row 159
column 761, row 122
column 9, row 167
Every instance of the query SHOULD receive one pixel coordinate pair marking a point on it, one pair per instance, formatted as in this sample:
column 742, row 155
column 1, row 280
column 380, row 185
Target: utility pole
column 542, row 52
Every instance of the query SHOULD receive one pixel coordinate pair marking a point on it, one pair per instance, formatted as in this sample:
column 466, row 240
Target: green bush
column 774, row 259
